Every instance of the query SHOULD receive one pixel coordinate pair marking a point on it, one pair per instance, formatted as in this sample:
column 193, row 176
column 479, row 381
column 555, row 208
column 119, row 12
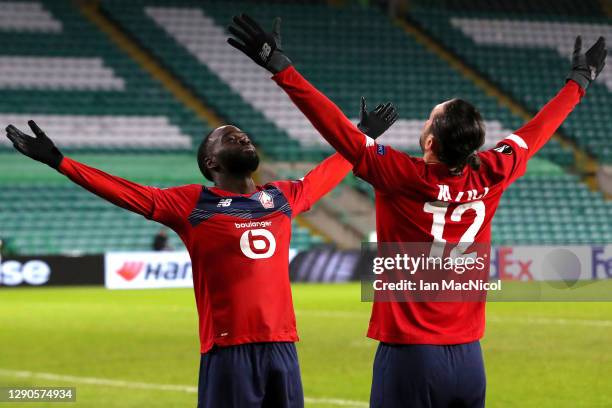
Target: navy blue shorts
column 428, row 376
column 251, row 375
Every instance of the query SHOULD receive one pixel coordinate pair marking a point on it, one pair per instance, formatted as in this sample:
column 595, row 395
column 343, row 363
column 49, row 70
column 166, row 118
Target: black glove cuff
column 278, row 62
column 56, row 160
column 580, row 78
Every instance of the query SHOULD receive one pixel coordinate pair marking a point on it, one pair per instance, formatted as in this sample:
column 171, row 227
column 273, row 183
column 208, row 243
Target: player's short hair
column 202, row 154
column 459, row 132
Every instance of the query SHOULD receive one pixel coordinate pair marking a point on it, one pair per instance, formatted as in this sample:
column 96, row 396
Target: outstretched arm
column 585, row 69
column 534, row 134
column 331, row 171
column 265, row 49
column 167, row 206
column 325, row 177
column 305, row 192
column 123, row 193
column 324, row 115
column 512, row 153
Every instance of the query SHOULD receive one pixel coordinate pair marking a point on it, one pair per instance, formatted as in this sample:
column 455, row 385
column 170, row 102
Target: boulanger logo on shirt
column 257, row 243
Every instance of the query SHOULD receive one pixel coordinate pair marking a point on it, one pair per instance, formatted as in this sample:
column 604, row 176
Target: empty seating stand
column 366, row 55
column 528, row 56
column 60, row 70
column 92, row 98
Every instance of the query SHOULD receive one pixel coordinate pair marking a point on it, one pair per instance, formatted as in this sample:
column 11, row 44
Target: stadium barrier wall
column 551, row 262
column 125, row 270
column 56, row 270
column 140, row 270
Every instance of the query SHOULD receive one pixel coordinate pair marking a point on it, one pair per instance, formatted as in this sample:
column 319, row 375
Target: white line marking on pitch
column 332, row 313
column 97, row 381
column 546, row 320
column 334, row 401
column 490, row 319
column 150, row 386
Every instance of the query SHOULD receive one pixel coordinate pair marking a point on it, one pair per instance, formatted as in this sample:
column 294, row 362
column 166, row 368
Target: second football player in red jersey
column 429, row 353
column 237, row 234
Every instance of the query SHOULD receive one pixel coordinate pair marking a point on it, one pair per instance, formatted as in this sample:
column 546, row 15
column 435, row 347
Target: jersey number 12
column 439, row 220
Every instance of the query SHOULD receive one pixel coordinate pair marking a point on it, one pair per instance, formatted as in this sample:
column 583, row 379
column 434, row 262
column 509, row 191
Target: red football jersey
column 238, row 243
column 424, row 202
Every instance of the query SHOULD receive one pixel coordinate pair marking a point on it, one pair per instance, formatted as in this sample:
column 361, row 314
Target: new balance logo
column 265, row 51
column 224, row 202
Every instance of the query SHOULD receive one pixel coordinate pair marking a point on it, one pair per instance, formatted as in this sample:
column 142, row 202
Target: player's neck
column 430, row 157
column 235, row 184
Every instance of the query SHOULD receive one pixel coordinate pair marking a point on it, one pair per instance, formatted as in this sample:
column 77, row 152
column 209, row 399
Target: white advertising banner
column 550, row 263
column 141, row 270
column 147, row 270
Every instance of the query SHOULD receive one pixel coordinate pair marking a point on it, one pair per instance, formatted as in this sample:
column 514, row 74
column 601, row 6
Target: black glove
column 586, row 67
column 262, row 47
column 39, row 148
column 377, row 122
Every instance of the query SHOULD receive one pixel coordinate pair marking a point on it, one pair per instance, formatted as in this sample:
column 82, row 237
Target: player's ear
column 211, row 164
column 429, row 142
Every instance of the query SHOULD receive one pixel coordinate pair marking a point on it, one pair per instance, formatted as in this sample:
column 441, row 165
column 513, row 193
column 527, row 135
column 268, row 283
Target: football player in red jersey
column 429, row 353
column 237, row 234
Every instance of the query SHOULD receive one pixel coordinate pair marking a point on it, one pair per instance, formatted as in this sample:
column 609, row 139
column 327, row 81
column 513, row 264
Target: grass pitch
column 123, row 348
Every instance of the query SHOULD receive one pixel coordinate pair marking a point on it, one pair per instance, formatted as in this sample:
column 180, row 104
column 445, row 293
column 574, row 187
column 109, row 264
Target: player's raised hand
column 262, row 47
column 39, row 148
column 586, row 67
column 376, row 122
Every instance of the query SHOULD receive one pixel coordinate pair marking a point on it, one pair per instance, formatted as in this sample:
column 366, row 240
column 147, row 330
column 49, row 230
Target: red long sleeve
column 540, row 129
column 169, row 206
column 303, row 193
column 123, row 193
column 325, row 116
column 511, row 161
column 325, row 177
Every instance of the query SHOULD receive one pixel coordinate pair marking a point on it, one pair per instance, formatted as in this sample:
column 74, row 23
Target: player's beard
column 239, row 162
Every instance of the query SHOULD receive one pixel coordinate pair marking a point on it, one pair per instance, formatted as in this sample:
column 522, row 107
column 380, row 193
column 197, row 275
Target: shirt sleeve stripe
column 518, row 140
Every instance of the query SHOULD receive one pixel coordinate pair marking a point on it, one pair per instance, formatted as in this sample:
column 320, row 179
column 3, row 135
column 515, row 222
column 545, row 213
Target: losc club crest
column 266, row 200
